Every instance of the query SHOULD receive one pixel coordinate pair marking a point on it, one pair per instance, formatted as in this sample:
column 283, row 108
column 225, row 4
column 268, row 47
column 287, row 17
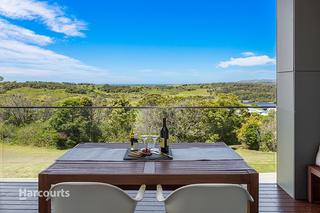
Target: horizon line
column 253, row 81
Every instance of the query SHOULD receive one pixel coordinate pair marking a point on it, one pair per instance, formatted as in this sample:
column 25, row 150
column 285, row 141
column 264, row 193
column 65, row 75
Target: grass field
column 197, row 92
column 261, row 161
column 36, row 96
column 27, row 162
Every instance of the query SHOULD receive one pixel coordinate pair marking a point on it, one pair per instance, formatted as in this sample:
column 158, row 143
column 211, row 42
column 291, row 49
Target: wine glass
column 145, row 140
column 154, row 142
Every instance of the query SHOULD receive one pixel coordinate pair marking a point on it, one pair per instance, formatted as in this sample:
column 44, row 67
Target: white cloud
column 19, row 58
column 22, row 51
column 52, row 16
column 9, row 31
column 248, row 54
column 249, row 61
column 22, row 71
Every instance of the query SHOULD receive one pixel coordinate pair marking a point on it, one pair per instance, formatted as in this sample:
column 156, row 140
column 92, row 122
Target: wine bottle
column 164, row 135
column 132, row 141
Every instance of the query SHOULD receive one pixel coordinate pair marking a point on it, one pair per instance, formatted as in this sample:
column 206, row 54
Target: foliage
column 18, row 116
column 268, row 133
column 153, row 100
column 38, row 134
column 259, row 132
column 76, row 90
column 187, row 125
column 116, row 124
column 121, row 89
column 74, row 125
column 223, row 124
column 244, row 91
column 196, row 125
column 150, row 120
column 249, row 134
column 7, row 132
column 1, row 78
column 67, row 127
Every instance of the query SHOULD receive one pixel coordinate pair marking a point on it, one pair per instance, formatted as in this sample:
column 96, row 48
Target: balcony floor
column 272, row 199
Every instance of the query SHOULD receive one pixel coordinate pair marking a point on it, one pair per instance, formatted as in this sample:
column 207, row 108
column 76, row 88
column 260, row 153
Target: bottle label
column 162, row 143
column 134, row 146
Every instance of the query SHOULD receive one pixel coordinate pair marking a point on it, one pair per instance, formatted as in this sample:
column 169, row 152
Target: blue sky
column 137, row 41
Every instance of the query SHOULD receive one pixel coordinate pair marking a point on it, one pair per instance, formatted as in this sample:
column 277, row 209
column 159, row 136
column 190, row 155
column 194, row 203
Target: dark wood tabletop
column 171, row 173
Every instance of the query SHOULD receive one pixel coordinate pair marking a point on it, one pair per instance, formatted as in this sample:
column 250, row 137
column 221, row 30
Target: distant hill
column 51, row 93
column 261, row 81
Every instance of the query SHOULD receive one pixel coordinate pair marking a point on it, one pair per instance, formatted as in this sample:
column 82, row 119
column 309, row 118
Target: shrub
column 37, row 134
column 7, row 132
column 74, row 125
column 268, row 142
column 249, row 134
column 224, row 123
column 268, row 133
column 117, row 123
column 18, row 116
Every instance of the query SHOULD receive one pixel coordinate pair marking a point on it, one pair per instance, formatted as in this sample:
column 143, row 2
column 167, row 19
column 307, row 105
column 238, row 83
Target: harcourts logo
column 26, row 193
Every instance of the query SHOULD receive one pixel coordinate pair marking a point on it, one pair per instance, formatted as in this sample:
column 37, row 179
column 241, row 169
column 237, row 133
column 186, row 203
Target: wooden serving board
column 148, row 158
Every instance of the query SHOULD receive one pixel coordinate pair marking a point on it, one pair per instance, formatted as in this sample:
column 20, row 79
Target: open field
column 261, row 161
column 27, row 162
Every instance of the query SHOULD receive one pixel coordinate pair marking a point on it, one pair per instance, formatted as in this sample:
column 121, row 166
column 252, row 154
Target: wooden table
column 170, row 174
column 314, row 184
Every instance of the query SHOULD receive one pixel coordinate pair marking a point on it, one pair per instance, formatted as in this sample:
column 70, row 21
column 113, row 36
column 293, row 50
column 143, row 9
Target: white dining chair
column 206, row 198
column 89, row 197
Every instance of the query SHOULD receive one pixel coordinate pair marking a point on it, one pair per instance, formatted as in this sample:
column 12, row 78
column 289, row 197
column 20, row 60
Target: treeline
column 64, row 128
column 69, row 87
column 244, row 91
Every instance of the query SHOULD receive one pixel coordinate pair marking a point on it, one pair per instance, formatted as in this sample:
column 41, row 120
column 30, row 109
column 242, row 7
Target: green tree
column 18, row 116
column 117, row 123
column 196, row 125
column 222, row 124
column 7, row 132
column 1, row 78
column 75, row 125
column 154, row 100
column 39, row 134
column 150, row 120
column 268, row 133
column 188, row 126
column 249, row 134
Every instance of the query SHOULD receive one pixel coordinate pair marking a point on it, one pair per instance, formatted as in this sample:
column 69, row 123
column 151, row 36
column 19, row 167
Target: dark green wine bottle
column 164, row 135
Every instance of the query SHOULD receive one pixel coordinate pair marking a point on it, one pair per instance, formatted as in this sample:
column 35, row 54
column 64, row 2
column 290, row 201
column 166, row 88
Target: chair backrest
column 208, row 198
column 90, row 198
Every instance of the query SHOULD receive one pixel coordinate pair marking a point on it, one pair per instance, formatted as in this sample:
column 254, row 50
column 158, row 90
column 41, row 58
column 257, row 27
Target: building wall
column 285, row 94
column 307, row 89
column 298, row 72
